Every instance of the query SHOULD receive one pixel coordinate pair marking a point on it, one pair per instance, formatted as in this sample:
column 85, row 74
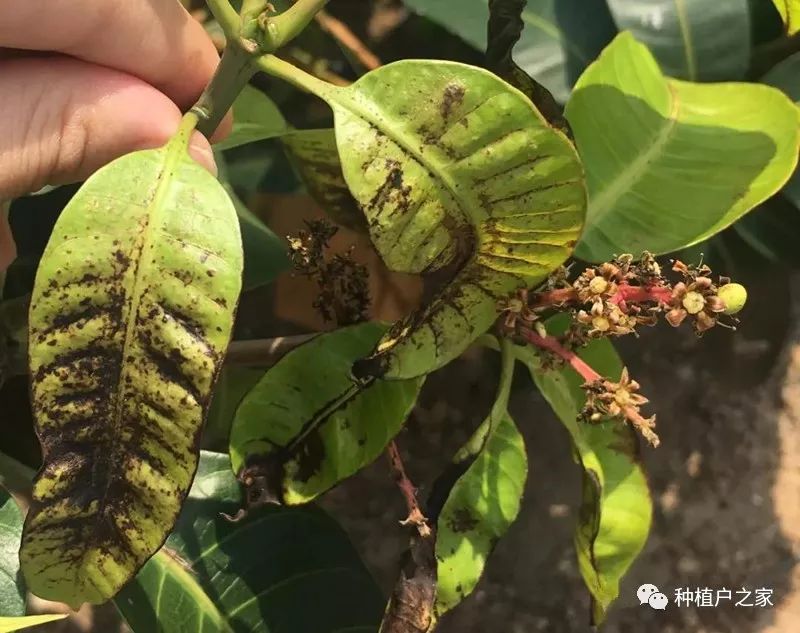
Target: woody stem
column 409, row 491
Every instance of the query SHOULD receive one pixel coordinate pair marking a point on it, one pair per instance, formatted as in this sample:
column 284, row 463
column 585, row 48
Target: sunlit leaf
column 670, row 163
column 130, row 319
column 698, row 40
column 260, row 574
column 561, row 37
column 479, row 509
column 790, row 14
column 616, row 510
column 306, row 425
column 255, row 118
column 453, row 168
column 12, row 587
column 7, row 625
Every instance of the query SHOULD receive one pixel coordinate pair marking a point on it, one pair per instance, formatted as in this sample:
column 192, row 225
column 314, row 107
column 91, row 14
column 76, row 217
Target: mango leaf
column 790, row 14
column 130, row 318
column 256, row 575
column 481, row 506
column 504, row 31
column 12, row 587
column 786, row 77
column 561, row 37
column 306, row 425
column 7, row 625
column 475, row 182
column 701, row 40
column 616, row 511
column 265, row 254
column 234, row 382
column 644, row 139
column 255, row 118
column 316, row 159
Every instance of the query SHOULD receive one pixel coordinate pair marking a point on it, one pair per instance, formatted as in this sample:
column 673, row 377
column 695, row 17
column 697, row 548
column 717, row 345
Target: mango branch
column 604, row 397
column 408, row 490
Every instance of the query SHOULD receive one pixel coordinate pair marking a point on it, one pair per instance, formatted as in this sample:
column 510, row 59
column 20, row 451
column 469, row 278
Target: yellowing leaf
column 130, row 318
column 7, row 625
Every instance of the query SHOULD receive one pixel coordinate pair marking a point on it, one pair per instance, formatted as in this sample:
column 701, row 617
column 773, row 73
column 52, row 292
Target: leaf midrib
column 605, row 200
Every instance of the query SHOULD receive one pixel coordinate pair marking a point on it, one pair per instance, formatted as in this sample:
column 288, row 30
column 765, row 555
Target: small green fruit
column 734, row 296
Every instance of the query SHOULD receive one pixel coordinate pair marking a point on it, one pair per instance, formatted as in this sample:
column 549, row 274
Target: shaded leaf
column 257, row 575
column 130, row 318
column 786, row 77
column 7, row 625
column 616, row 511
column 480, row 507
column 560, row 38
column 505, row 29
column 234, row 382
column 790, row 14
column 306, row 425
column 255, row 118
column 773, row 230
column 670, row 163
column 701, row 40
column 476, row 182
column 12, row 587
column 316, row 159
column 265, row 254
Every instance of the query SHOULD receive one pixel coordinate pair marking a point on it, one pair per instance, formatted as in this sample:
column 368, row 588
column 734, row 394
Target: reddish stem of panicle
column 642, row 294
column 552, row 344
column 409, row 491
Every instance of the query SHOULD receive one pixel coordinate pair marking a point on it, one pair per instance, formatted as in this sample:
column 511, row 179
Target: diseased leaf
column 699, row 40
column 257, row 575
column 255, row 118
column 306, row 425
column 561, row 37
column 616, row 511
column 790, row 14
column 645, row 138
column 316, row 159
column 505, row 29
column 130, row 319
column 481, row 506
column 454, row 169
column 7, row 625
column 12, row 587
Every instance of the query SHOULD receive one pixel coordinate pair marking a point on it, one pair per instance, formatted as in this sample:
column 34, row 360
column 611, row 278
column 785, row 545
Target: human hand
column 85, row 81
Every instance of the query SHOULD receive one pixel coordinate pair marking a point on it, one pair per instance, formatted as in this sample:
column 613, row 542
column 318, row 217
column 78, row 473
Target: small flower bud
column 734, row 296
column 694, row 302
column 676, row 316
column 598, row 286
column 601, row 324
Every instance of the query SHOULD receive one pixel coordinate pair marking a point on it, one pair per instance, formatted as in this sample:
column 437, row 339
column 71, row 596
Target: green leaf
column 306, row 425
column 773, row 230
column 786, row 77
column 12, row 587
column 316, row 159
column 7, row 625
column 697, row 40
column 616, row 511
column 257, row 575
column 481, row 506
column 670, row 163
column 255, row 118
column 130, row 318
column 561, row 37
column 265, row 254
column 790, row 14
column 476, row 181
column 234, row 382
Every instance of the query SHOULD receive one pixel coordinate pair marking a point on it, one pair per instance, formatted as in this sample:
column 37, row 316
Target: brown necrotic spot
column 452, row 98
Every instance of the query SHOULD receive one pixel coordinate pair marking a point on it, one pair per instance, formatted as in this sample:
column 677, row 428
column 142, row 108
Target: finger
column 155, row 40
column 8, row 250
column 61, row 119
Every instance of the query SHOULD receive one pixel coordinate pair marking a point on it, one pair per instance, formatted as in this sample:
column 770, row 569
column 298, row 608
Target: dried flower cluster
column 343, row 283
column 613, row 299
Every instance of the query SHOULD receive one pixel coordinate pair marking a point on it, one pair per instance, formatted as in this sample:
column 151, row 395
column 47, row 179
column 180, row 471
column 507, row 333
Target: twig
column 409, row 491
column 342, row 33
column 263, row 352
